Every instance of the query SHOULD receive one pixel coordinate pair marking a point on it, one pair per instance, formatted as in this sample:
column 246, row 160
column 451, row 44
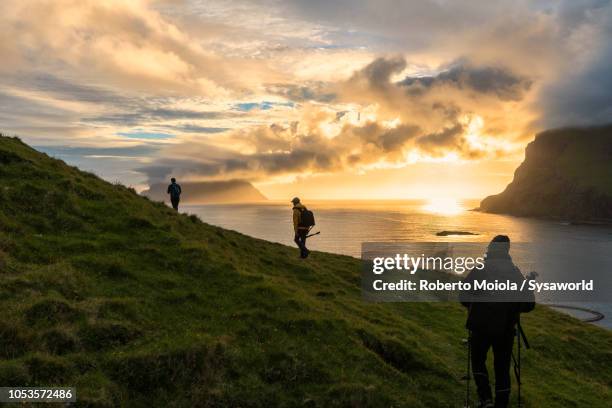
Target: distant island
column 207, row 192
column 566, row 174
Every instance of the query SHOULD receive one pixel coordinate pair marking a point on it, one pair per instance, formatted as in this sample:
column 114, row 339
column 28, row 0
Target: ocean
column 344, row 225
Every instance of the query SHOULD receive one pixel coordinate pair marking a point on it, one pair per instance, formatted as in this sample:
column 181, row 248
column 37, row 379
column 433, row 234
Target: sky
column 324, row 99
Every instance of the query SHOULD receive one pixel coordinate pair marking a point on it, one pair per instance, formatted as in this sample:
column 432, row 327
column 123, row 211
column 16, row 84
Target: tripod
column 469, row 362
column 468, row 374
column 520, row 337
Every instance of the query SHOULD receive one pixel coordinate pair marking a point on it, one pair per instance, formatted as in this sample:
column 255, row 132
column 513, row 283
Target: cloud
column 63, row 89
column 125, row 44
column 189, row 128
column 457, row 94
column 64, row 151
column 142, row 114
column 497, row 81
column 423, row 117
column 445, row 138
column 146, row 135
column 563, row 47
column 270, row 88
column 263, row 105
column 307, row 92
column 582, row 95
column 378, row 73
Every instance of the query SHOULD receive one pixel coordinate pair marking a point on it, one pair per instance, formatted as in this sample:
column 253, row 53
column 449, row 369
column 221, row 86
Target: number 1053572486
column 37, row 394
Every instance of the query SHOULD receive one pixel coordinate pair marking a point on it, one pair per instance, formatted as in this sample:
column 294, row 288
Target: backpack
column 307, row 218
column 175, row 191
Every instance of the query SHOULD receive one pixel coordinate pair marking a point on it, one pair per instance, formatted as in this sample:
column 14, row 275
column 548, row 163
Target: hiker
column 492, row 320
column 174, row 189
column 301, row 231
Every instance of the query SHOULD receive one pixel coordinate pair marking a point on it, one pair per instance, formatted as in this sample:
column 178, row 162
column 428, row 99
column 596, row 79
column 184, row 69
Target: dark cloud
column 62, row 89
column 378, row 73
column 117, row 119
column 583, row 96
column 354, row 146
column 21, row 111
column 165, row 167
column 313, row 91
column 160, row 113
column 586, row 100
column 448, row 138
column 374, row 80
column 143, row 115
column 487, row 80
column 190, row 128
column 123, row 110
column 392, row 24
column 131, row 151
column 387, row 140
column 253, row 166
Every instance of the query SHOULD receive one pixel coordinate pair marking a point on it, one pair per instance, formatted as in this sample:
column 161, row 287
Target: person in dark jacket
column 300, row 231
column 492, row 320
column 174, row 189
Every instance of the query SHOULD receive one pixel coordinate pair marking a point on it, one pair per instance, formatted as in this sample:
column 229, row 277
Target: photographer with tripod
column 493, row 319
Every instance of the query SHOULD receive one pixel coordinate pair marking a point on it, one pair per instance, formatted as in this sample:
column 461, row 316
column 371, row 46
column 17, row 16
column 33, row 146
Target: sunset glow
column 443, row 206
column 268, row 91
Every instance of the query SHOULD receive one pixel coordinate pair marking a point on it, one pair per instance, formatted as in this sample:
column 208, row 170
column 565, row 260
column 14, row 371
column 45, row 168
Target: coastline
column 586, row 222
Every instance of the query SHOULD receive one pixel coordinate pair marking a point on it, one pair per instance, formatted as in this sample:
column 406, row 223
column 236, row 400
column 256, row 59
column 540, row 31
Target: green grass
column 135, row 305
column 583, row 154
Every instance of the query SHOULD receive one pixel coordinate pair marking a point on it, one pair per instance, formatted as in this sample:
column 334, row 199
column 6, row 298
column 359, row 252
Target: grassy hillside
column 135, row 305
column 566, row 174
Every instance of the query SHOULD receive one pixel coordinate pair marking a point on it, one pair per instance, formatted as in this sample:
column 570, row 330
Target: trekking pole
column 518, row 339
column 467, row 376
column 523, row 337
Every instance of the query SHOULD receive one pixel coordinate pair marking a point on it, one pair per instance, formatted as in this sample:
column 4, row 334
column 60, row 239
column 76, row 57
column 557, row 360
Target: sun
column 443, row 206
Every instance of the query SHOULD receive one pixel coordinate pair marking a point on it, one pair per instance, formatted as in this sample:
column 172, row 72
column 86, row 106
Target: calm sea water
column 344, row 225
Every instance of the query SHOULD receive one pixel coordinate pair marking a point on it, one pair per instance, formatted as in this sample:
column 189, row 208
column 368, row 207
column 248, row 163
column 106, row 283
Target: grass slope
column 136, row 305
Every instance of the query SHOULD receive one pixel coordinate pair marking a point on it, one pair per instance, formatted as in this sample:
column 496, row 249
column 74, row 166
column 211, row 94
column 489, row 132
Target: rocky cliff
column 566, row 174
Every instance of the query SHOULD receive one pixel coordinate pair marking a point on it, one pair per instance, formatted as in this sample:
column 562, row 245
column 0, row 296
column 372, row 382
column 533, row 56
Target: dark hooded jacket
column 174, row 189
column 496, row 313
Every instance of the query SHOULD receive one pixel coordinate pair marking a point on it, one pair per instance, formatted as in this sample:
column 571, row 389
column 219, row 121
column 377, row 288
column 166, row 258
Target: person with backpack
column 303, row 220
column 493, row 319
column 174, row 189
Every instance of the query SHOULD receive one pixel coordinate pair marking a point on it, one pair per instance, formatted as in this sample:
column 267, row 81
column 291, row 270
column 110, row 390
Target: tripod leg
column 468, row 374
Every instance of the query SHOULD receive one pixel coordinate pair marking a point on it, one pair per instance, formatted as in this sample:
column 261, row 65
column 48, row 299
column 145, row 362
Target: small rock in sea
column 447, row 233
